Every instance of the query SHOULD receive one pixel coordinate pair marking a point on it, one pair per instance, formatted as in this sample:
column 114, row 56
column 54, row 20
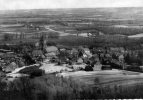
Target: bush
column 36, row 73
column 32, row 71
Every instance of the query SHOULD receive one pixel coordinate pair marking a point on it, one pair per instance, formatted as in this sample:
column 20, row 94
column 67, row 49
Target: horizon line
column 70, row 8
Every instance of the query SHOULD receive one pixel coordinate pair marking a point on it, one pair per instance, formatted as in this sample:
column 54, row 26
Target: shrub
column 36, row 73
column 32, row 71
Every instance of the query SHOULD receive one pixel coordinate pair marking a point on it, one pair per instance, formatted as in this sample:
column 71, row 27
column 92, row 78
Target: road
column 60, row 33
column 64, row 33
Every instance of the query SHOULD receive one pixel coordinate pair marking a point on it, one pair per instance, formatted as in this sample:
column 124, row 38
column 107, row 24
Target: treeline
column 103, row 41
column 120, row 30
column 110, row 30
column 17, row 36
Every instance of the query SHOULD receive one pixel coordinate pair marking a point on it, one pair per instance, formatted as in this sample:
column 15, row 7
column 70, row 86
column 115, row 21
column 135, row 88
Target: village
column 58, row 58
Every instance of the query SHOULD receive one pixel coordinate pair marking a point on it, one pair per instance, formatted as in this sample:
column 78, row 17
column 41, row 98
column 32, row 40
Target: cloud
column 39, row 4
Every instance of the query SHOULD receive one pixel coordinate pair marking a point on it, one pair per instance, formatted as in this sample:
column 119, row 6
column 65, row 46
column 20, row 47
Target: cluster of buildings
column 78, row 58
column 84, row 57
column 90, row 59
column 10, row 60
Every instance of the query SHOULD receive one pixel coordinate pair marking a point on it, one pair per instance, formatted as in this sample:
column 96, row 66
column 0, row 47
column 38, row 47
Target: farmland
column 60, row 51
column 32, row 23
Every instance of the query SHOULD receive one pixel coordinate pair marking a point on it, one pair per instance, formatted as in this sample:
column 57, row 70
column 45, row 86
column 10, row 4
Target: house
column 121, row 58
column 11, row 67
column 37, row 44
column 37, row 53
column 79, row 66
column 63, row 47
column 74, row 51
column 141, row 67
column 7, row 55
column 94, row 58
column 115, row 49
column 108, row 56
column 2, row 74
column 79, row 60
column 97, row 66
column 87, row 52
column 1, row 54
column 122, row 50
column 51, row 51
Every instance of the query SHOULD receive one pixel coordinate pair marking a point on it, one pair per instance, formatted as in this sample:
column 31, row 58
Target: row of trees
column 110, row 30
column 9, row 37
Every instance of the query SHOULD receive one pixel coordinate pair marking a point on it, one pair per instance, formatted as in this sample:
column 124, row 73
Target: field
column 108, row 78
column 24, row 25
column 50, row 87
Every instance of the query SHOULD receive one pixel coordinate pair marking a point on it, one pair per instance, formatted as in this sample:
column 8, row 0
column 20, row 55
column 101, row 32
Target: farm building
column 11, row 67
column 87, row 52
column 50, row 49
column 37, row 53
column 121, row 58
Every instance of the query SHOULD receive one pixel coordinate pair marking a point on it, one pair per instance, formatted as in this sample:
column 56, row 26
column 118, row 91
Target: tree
column 42, row 42
column 53, row 35
column 7, row 37
column 28, row 59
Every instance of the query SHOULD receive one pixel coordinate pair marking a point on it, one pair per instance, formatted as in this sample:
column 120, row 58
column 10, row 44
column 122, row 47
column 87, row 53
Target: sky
column 45, row 4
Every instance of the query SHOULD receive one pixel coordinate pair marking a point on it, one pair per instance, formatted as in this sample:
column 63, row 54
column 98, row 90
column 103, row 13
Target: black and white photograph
column 71, row 49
